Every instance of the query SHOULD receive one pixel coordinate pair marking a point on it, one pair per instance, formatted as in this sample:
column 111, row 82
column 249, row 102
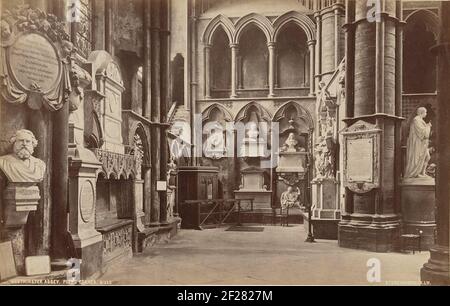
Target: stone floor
column 278, row 255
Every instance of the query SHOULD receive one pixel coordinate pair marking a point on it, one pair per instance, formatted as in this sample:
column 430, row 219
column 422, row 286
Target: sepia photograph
column 224, row 150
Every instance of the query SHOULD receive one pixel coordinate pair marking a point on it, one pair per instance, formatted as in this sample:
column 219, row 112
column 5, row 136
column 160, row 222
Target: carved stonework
column 291, row 179
column 83, row 28
column 116, row 242
column 118, row 164
column 36, row 61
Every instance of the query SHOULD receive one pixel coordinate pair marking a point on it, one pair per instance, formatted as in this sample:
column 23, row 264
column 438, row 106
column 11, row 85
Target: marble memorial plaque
column 360, row 160
column 87, row 201
column 34, row 61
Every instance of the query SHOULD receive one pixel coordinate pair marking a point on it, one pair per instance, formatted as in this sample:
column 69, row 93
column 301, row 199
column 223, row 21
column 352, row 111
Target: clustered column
column 372, row 220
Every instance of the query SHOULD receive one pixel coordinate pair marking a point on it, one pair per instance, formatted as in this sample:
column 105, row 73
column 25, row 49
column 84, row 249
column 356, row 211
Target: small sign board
column 161, row 186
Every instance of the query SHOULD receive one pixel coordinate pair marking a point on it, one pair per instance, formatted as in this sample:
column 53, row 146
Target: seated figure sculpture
column 290, row 198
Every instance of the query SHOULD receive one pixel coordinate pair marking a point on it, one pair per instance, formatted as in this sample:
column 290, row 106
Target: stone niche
column 253, row 187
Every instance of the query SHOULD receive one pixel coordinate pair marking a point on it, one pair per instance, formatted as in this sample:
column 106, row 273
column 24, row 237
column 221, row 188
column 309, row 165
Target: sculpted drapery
column 417, row 153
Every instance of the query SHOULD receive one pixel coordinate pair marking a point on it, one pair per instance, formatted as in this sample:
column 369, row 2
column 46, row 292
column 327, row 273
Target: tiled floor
column 277, row 255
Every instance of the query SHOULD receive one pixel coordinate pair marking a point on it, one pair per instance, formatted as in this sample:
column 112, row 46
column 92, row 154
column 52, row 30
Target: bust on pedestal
column 253, row 145
column 21, row 194
column 23, row 172
column 291, row 157
column 417, row 188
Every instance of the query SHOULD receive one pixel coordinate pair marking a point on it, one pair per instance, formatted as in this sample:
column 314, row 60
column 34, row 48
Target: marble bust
column 290, row 198
column 290, row 145
column 21, row 166
column 417, row 151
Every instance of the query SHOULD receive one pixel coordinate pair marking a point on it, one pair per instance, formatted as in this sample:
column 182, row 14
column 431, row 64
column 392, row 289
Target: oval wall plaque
column 87, row 201
column 34, row 60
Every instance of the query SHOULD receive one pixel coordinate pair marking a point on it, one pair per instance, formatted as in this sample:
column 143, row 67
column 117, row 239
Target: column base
column 378, row 236
column 89, row 249
column 437, row 270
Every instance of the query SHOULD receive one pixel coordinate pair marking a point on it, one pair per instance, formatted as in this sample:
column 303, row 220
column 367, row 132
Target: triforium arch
column 260, row 21
column 218, row 21
column 303, row 21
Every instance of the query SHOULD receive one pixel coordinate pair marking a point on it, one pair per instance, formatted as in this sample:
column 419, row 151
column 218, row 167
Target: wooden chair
column 277, row 212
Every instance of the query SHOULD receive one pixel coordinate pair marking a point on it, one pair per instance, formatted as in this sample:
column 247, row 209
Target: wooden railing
column 198, row 214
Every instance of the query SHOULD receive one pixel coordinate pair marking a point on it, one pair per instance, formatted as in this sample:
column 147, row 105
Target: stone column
column 109, row 27
column 234, row 50
column 207, row 72
column 436, row 271
column 155, row 109
column 312, row 61
column 164, row 82
column 373, row 220
column 318, row 49
column 271, row 46
column 146, row 72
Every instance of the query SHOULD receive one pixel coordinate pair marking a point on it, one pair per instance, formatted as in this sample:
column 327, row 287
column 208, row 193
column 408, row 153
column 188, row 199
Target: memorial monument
column 418, row 188
column 23, row 173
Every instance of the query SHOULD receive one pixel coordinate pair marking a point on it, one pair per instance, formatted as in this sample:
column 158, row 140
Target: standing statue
column 417, row 152
column 21, row 166
column 290, row 198
column 323, row 159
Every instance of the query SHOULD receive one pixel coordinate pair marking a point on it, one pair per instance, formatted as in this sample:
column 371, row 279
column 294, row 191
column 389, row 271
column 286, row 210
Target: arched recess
column 260, row 21
column 293, row 110
column 419, row 64
column 303, row 21
column 219, row 21
column 216, row 134
column 244, row 113
column 292, row 57
column 253, row 60
column 209, row 112
column 220, row 65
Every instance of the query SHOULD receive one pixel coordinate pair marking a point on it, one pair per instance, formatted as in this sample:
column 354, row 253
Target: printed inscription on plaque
column 360, row 160
column 34, row 61
column 86, row 201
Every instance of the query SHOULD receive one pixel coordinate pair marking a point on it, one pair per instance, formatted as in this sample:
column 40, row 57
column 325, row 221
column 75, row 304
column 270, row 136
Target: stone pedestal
column 418, row 209
column 83, row 166
column 19, row 200
column 251, row 148
column 325, row 212
column 253, row 187
column 291, row 162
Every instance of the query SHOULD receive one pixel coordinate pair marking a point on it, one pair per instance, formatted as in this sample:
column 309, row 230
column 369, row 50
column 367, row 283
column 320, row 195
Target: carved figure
column 417, row 153
column 21, row 166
